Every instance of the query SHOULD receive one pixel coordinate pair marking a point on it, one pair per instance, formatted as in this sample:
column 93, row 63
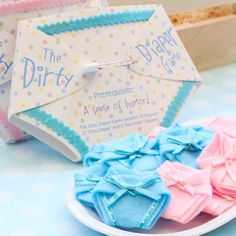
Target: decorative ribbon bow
column 138, row 151
column 227, row 162
column 141, row 149
column 192, row 141
column 192, row 184
column 133, row 190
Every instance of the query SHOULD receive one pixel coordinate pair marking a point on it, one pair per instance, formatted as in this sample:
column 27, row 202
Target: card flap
column 160, row 53
column 50, row 74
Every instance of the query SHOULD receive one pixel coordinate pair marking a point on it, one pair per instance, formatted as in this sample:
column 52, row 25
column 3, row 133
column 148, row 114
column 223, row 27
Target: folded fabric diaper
column 85, row 181
column 134, row 151
column 190, row 190
column 183, row 143
column 217, row 205
column 130, row 199
column 222, row 124
column 219, row 157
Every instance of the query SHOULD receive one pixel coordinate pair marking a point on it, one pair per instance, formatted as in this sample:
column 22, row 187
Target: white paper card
column 125, row 95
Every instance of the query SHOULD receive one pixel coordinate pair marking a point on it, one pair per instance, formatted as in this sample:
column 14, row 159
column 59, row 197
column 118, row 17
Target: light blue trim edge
column 123, row 17
column 59, row 128
column 177, row 103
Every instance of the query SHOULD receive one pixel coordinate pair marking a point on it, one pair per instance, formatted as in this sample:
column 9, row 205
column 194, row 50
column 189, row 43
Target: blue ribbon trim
column 177, row 103
column 109, row 19
column 59, row 128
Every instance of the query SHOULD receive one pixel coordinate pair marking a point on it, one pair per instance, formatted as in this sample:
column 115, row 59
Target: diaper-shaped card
column 92, row 76
column 10, row 13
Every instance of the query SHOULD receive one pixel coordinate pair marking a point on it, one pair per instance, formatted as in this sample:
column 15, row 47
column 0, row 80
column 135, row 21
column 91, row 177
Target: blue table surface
column 34, row 178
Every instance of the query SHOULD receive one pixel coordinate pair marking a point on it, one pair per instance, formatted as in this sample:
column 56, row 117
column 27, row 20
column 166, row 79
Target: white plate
column 200, row 225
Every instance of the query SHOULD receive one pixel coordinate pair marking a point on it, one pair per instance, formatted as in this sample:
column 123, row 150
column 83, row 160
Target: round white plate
column 202, row 224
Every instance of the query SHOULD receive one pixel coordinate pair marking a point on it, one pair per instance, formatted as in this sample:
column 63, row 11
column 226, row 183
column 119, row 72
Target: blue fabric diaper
column 134, row 151
column 183, row 143
column 129, row 198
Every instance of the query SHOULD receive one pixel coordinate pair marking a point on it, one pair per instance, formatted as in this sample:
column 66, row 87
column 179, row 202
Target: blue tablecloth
column 34, row 179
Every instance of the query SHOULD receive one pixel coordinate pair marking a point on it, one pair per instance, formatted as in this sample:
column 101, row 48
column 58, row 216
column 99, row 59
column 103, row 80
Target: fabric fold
column 217, row 205
column 221, row 124
column 190, row 190
column 85, row 181
column 219, row 157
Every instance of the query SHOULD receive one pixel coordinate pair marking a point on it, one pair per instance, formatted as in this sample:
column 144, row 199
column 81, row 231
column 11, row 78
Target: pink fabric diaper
column 219, row 157
column 221, row 124
column 218, row 124
column 190, row 191
column 219, row 204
